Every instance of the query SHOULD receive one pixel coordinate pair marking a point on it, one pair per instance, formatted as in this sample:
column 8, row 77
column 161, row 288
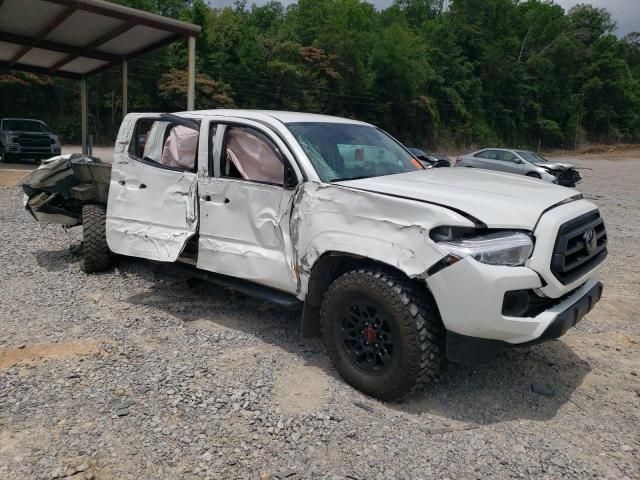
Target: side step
column 251, row 289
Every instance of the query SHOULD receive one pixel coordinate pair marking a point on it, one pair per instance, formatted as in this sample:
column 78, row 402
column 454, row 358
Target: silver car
column 522, row 162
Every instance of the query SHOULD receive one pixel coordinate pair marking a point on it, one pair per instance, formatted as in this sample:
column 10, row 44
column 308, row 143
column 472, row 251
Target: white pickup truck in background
column 396, row 266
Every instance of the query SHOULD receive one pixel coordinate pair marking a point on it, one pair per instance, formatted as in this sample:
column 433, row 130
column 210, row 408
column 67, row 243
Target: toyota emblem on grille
column 590, row 240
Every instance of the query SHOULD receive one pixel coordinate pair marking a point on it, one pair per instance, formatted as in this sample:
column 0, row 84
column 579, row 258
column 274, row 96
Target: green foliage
column 209, row 93
column 479, row 72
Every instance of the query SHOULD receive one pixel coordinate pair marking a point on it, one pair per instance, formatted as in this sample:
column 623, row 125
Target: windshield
column 24, row 126
column 343, row 151
column 532, row 157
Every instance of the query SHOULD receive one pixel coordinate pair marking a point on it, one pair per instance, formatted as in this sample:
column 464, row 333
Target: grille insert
column 34, row 141
column 580, row 246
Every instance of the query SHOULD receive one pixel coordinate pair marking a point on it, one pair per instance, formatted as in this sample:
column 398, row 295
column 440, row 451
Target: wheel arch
column 327, row 268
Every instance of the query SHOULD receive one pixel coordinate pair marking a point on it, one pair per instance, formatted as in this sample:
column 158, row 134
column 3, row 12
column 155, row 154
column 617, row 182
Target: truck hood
column 499, row 200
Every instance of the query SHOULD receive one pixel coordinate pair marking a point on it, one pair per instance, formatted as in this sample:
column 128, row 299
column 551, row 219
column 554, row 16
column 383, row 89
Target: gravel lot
column 144, row 373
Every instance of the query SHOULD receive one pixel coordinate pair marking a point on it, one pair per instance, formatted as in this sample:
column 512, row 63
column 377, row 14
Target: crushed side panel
column 394, row 231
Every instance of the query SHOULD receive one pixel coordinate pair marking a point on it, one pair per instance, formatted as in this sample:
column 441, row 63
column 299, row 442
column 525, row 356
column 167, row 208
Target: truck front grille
column 34, row 141
column 580, row 246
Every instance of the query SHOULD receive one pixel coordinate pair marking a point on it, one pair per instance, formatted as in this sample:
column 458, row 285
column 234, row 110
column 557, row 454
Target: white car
column 396, row 266
column 522, row 162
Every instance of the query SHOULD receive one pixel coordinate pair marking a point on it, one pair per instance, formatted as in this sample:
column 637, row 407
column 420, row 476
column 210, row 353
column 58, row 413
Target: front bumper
column 470, row 296
column 466, row 349
column 17, row 150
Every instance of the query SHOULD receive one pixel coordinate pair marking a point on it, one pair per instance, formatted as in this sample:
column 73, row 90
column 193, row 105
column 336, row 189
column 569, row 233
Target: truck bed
column 57, row 190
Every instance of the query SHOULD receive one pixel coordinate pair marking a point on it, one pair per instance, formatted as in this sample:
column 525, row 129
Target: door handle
column 216, row 201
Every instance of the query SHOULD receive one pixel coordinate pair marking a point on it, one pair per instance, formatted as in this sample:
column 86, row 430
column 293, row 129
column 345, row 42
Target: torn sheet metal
column 394, row 231
column 56, row 191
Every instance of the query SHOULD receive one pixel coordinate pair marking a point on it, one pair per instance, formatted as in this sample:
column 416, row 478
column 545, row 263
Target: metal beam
column 125, row 88
column 191, row 86
column 162, row 43
column 116, row 32
column 129, row 14
column 40, row 70
column 84, row 112
column 58, row 47
column 154, row 46
column 50, row 27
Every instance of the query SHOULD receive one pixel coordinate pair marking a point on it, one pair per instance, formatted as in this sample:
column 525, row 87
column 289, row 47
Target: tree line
column 472, row 72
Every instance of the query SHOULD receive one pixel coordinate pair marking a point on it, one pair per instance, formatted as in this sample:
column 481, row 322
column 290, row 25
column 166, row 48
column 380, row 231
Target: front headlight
column 13, row 138
column 500, row 248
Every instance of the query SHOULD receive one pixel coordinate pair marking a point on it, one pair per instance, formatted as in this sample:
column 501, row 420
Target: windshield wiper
column 344, row 179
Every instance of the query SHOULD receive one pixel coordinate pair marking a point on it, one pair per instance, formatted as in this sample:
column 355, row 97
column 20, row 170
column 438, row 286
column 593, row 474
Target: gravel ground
column 143, row 373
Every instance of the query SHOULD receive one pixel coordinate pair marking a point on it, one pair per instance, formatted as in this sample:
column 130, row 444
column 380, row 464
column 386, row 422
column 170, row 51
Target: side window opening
column 250, row 155
column 165, row 143
column 506, row 156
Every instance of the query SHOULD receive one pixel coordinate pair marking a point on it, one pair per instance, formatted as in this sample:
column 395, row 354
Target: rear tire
column 533, row 175
column 96, row 254
column 383, row 334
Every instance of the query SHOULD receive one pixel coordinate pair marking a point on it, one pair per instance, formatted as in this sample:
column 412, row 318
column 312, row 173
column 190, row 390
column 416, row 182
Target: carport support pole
column 84, row 112
column 125, row 88
column 191, row 87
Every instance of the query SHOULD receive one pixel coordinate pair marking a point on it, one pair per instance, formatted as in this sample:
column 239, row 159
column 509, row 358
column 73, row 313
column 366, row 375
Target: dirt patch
column 10, row 178
column 38, row 353
column 301, row 389
column 610, row 149
column 597, row 152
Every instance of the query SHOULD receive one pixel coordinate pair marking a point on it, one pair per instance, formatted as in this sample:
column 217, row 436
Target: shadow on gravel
column 493, row 392
column 56, row 260
column 212, row 307
column 503, row 390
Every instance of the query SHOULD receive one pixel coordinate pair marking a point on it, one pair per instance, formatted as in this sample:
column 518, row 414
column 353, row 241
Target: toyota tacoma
column 397, row 267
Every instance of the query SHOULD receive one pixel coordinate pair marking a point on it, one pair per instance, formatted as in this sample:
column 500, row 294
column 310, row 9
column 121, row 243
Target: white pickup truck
column 396, row 266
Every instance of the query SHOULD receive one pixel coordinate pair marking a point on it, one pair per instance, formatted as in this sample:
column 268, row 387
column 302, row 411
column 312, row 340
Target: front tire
column 382, row 333
column 96, row 254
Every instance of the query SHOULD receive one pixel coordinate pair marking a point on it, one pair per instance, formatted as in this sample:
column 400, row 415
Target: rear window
column 24, row 126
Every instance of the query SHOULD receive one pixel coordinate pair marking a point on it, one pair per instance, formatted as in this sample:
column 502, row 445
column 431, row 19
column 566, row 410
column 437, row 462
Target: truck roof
column 270, row 115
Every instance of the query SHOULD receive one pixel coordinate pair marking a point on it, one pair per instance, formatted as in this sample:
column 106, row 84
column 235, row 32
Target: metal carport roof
column 75, row 38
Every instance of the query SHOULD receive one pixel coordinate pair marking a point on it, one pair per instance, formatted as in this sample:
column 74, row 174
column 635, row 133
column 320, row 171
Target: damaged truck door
column 151, row 211
column 244, row 206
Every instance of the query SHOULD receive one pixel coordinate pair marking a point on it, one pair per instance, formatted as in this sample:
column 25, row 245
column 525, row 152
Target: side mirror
column 290, row 179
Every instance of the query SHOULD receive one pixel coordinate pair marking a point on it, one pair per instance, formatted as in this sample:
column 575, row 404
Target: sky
column 626, row 13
